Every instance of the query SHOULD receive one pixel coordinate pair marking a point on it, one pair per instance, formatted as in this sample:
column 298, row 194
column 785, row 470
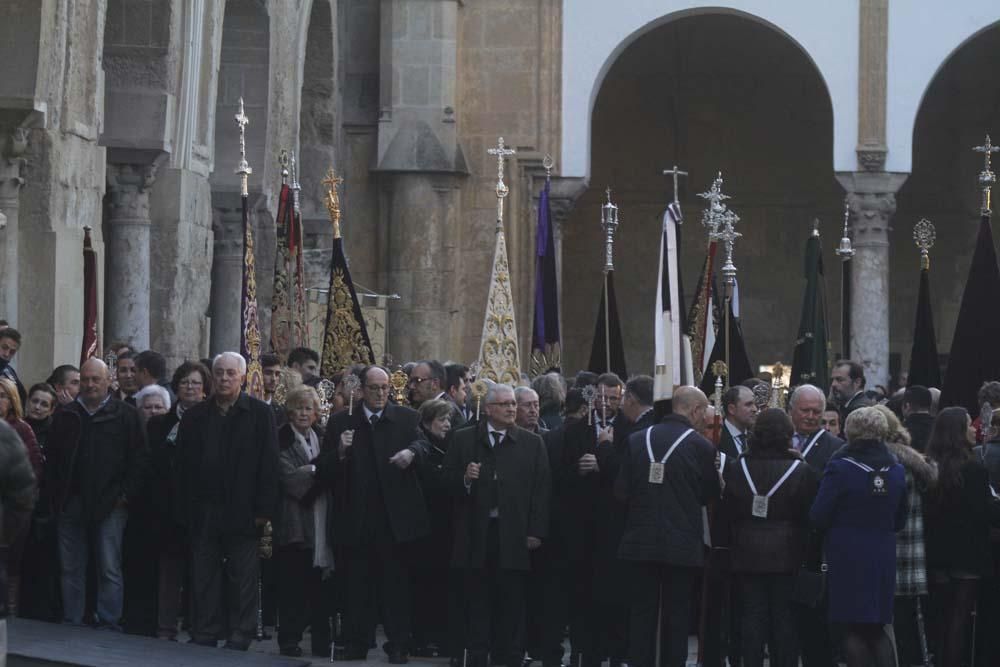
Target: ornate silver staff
column 609, row 223
column 924, row 236
column 986, row 177
column 721, row 225
column 845, row 251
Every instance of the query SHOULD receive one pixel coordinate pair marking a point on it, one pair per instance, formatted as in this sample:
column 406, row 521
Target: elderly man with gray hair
column 500, row 475
column 227, row 461
column 816, row 444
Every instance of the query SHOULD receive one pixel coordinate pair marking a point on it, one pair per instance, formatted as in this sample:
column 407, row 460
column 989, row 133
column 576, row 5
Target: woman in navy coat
column 860, row 505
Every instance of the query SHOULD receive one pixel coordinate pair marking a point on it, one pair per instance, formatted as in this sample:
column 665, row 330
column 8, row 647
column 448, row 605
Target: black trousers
column 304, row 599
column 496, row 600
column 431, row 597
column 547, row 611
column 584, row 615
column 814, row 634
column 377, row 571
column 656, row 587
column 767, row 618
column 224, row 571
column 612, row 608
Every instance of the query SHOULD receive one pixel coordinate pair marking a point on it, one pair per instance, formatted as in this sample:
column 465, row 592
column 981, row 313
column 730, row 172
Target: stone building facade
column 118, row 115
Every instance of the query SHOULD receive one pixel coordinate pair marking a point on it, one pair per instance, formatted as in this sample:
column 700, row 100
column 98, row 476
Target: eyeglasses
column 504, row 404
column 190, row 383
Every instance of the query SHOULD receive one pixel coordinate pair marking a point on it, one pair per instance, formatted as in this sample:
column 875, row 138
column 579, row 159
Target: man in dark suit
column 805, row 407
column 847, row 384
column 665, row 480
column 227, row 453
column 740, row 412
column 270, row 366
column 378, row 510
column 917, row 416
column 500, row 475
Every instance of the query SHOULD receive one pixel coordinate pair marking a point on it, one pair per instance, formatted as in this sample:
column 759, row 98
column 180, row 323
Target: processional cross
column 501, row 153
column 675, row 172
column 986, row 177
column 243, row 168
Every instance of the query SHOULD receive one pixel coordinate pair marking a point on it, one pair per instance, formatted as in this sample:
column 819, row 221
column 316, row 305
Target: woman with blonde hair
column 12, row 413
column 860, row 505
column 304, row 556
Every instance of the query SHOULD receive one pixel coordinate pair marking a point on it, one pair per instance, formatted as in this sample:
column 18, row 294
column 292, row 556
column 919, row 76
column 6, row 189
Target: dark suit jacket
column 827, row 445
column 521, row 466
column 351, row 481
column 859, row 400
column 919, row 424
column 727, row 445
column 250, row 448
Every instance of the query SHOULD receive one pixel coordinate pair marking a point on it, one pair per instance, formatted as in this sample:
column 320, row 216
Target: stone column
column 873, row 45
column 872, row 199
column 227, row 280
column 128, row 253
column 12, row 147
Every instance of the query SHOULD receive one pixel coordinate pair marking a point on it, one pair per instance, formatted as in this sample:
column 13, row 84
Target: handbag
column 809, row 586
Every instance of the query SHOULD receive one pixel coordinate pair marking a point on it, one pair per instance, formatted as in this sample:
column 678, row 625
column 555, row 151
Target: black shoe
column 320, row 651
column 351, row 653
column 294, row 651
column 398, row 658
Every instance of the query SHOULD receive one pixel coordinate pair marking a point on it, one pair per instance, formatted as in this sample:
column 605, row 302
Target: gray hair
column 522, row 391
column 866, row 424
column 152, row 390
column 242, row 363
column 497, row 388
column 550, row 390
column 805, row 389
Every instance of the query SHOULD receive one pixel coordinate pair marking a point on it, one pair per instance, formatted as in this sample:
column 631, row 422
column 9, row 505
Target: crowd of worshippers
column 488, row 532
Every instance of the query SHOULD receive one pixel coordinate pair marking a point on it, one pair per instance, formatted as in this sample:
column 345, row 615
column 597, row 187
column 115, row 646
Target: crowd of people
column 486, row 529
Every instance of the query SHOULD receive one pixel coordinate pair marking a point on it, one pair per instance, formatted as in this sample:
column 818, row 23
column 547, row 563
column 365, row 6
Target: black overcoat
column 521, row 466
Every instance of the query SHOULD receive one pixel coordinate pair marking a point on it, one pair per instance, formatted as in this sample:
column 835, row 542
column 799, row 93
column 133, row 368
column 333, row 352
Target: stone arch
column 593, row 39
column 931, row 40
column 959, row 106
column 244, row 71
column 707, row 91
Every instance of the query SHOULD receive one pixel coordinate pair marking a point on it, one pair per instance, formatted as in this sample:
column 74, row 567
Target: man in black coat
column 847, row 384
column 378, row 510
column 96, row 463
column 227, row 458
column 665, row 480
column 500, row 476
column 917, row 416
column 740, row 410
column 805, row 407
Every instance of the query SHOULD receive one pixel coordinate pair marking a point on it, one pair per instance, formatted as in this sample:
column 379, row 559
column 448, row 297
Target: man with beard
column 847, row 384
column 65, row 380
column 10, row 343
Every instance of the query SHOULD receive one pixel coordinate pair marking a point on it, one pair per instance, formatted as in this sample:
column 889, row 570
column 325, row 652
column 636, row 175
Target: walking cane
column 264, row 551
column 975, row 617
column 922, row 633
column 260, row 608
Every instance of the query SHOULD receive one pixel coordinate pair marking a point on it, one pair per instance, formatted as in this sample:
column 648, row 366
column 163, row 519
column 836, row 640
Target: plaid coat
column 911, row 567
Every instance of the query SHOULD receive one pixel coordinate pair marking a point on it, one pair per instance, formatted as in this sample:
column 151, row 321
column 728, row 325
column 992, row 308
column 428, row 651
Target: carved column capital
column 13, row 144
column 129, row 185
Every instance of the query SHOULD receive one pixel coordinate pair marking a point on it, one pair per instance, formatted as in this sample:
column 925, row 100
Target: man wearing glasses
column 367, row 460
column 500, row 474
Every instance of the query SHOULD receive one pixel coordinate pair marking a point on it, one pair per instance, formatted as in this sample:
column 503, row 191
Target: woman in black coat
column 304, row 555
column 957, row 517
column 768, row 537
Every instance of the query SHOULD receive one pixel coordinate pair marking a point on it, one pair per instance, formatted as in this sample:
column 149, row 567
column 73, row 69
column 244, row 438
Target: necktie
column 798, row 441
column 742, row 440
column 373, row 419
column 497, row 438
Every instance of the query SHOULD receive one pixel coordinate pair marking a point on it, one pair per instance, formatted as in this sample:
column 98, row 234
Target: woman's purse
column 809, row 586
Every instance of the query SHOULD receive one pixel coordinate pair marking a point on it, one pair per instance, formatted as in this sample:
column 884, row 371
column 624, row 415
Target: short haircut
column 753, row 383
column 124, row 355
column 641, row 388
column 584, row 378
column 454, row 373
column 866, row 424
column 609, row 380
column 495, row 389
column 12, row 333
column 301, row 355
column 989, row 393
column 732, row 397
column 804, row 389
column 772, row 432
column 152, row 390
column 60, row 374
column 241, row 363
column 8, row 387
column 521, row 391
column 574, row 401
column 918, row 396
column 549, row 388
column 368, row 369
column 831, row 407
column 436, row 369
column 855, row 371
column 186, row 369
column 302, row 395
column 46, row 388
column 153, row 363
column 269, row 359
column 434, row 409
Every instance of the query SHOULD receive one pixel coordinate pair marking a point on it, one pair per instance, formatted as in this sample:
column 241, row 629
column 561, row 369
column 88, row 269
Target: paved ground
column 38, row 644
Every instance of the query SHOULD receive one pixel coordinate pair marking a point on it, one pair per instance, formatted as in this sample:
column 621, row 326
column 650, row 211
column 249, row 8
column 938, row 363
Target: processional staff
column 609, row 223
column 845, row 251
column 986, row 177
column 675, row 172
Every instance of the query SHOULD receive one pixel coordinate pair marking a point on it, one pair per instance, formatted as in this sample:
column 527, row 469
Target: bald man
column 96, row 461
column 667, row 476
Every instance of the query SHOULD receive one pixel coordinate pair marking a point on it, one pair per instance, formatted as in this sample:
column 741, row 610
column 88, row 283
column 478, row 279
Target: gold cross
column 332, row 180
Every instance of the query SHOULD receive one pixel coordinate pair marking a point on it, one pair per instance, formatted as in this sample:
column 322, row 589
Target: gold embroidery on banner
column 343, row 342
column 498, row 351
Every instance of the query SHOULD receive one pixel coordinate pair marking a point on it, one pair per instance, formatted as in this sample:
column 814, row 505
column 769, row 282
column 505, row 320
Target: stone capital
column 129, row 185
column 13, row 145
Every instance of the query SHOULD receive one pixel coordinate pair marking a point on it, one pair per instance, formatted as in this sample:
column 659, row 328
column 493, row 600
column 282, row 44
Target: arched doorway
column 960, row 106
column 707, row 92
column 243, row 72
